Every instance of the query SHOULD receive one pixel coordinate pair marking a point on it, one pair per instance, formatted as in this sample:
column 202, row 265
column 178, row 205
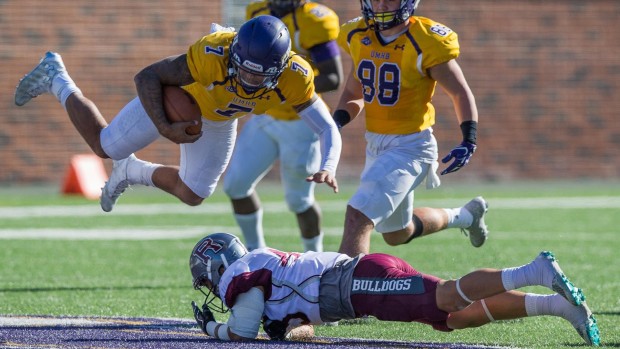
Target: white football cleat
column 477, row 231
column 39, row 80
column 585, row 324
column 559, row 282
column 116, row 184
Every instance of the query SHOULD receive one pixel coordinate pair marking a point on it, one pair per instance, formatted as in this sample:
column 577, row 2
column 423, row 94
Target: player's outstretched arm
column 450, row 77
column 316, row 114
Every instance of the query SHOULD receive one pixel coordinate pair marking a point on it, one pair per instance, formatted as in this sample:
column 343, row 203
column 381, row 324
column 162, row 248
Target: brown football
column 181, row 106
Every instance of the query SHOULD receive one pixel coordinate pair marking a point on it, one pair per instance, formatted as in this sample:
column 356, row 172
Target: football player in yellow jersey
column 229, row 74
column 398, row 59
column 280, row 134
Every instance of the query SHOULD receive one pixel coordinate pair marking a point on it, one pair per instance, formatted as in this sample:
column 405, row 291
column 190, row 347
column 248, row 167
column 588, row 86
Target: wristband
column 341, row 117
column 469, row 129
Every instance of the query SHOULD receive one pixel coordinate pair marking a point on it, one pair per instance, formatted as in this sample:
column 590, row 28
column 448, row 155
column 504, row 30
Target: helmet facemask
column 380, row 21
column 258, row 55
column 209, row 260
column 281, row 8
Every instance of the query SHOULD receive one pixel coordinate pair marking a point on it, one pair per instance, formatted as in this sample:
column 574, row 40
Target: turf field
column 63, row 256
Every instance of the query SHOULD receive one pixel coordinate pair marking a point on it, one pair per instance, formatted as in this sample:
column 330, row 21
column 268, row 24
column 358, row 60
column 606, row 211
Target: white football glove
column 218, row 28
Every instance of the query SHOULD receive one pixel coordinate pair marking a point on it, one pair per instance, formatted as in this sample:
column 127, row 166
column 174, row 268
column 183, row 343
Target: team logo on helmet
column 253, row 66
column 208, row 245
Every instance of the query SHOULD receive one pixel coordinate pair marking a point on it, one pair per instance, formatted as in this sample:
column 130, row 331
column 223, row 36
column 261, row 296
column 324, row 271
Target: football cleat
column 585, row 324
column 477, row 231
column 39, row 80
column 559, row 282
column 116, row 185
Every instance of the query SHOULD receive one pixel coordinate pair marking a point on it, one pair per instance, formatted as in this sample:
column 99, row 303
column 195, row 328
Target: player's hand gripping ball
column 179, row 105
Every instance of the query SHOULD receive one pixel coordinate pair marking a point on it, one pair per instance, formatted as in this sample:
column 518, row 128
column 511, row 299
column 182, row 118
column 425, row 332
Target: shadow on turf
column 133, row 333
column 94, row 288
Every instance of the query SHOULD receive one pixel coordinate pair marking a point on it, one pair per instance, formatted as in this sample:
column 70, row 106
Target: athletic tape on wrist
column 217, row 330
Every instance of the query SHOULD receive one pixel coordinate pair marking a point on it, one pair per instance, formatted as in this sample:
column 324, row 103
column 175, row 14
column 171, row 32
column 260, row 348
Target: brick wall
column 545, row 75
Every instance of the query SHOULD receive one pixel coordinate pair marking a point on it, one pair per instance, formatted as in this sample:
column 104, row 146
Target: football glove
column 461, row 155
column 202, row 317
column 275, row 329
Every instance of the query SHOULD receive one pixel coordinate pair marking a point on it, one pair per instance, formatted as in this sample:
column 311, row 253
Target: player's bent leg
column 249, row 216
column 309, row 225
column 309, row 221
column 357, row 230
column 88, row 121
column 424, row 221
column 167, row 179
column 246, row 205
column 129, row 131
column 503, row 306
column 398, row 237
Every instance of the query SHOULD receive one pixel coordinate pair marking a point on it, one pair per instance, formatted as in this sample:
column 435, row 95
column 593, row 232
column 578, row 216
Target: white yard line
column 175, row 232
column 277, row 207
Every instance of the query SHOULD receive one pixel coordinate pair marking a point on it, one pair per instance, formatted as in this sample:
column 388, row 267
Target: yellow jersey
column 310, row 24
column 208, row 63
column 396, row 87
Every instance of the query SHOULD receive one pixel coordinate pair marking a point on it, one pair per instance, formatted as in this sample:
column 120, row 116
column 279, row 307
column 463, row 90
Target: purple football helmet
column 259, row 53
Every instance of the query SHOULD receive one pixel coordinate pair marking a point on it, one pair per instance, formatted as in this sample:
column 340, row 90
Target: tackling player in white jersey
column 287, row 291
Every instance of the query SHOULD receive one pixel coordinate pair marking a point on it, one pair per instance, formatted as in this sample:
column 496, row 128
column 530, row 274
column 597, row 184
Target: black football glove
column 275, row 329
column 461, row 154
column 202, row 317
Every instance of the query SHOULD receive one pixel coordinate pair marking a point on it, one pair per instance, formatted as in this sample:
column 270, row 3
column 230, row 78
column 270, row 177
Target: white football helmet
column 208, row 261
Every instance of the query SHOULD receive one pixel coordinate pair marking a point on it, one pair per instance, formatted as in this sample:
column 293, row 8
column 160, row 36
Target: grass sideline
column 150, row 278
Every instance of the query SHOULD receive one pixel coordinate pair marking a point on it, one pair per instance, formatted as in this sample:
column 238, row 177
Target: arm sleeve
column 325, row 51
column 246, row 314
column 318, row 118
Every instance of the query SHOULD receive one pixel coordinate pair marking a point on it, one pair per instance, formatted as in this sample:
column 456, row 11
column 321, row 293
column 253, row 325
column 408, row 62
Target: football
column 179, row 105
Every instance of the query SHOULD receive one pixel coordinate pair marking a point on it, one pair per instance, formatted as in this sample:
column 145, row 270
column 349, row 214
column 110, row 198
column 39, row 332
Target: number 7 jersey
column 207, row 60
column 394, row 76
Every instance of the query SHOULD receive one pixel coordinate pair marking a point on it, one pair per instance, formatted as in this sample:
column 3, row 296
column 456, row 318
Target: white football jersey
column 290, row 280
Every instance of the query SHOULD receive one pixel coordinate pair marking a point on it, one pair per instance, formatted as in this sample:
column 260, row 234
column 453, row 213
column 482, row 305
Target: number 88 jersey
column 396, row 85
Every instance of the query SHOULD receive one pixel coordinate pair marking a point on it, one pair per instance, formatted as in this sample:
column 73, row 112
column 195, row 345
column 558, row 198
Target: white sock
column 538, row 304
column 525, row 275
column 141, row 172
column 313, row 244
column 252, row 228
column 552, row 304
column 62, row 87
column 459, row 217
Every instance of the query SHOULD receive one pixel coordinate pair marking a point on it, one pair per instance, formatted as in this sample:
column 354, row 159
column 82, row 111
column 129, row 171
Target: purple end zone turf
column 144, row 333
